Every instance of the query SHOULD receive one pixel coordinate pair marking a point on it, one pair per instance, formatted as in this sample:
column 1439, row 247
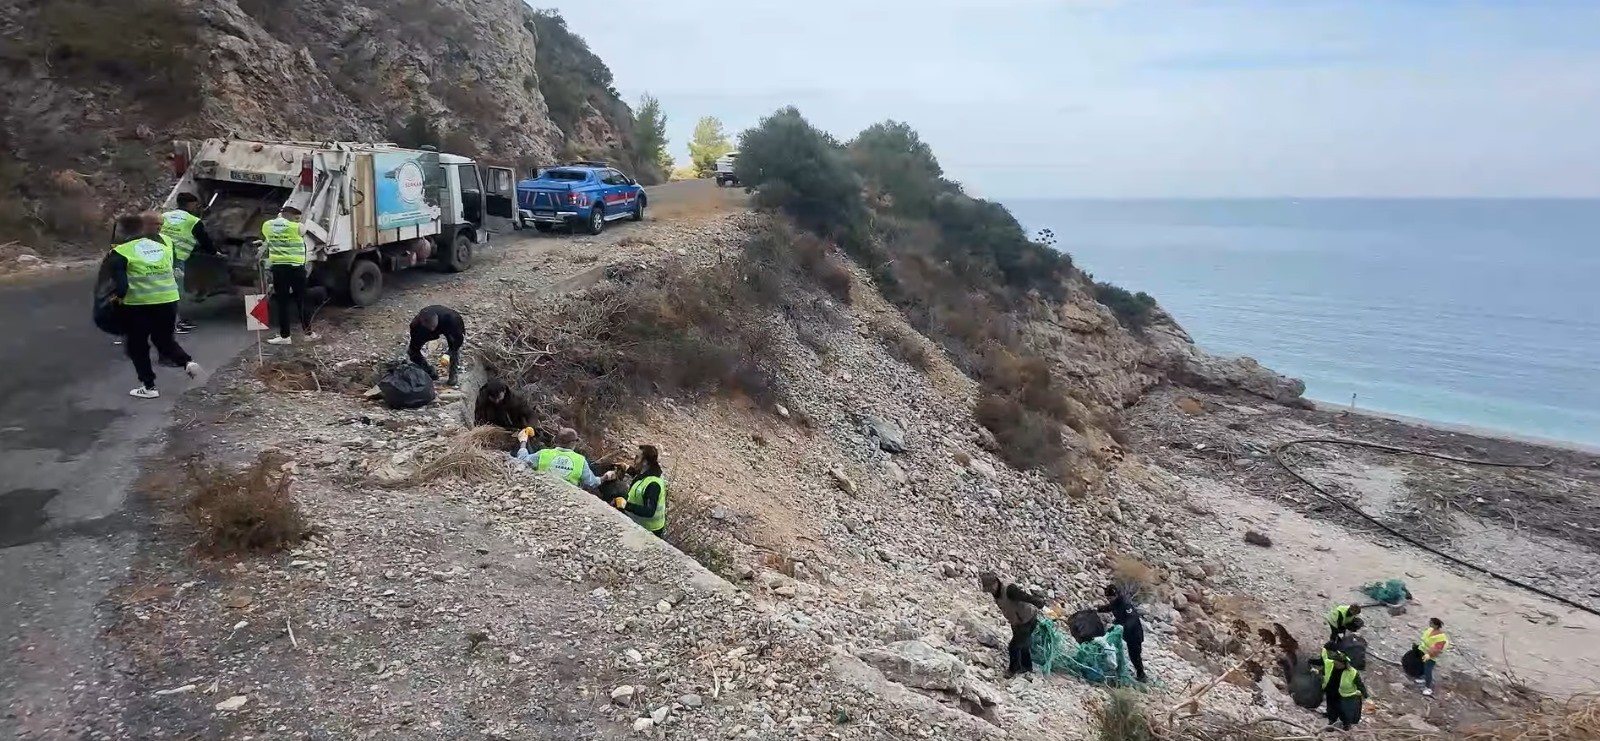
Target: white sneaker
column 281, row 341
column 1427, row 692
column 1420, row 682
column 193, row 369
column 311, row 337
column 145, row 392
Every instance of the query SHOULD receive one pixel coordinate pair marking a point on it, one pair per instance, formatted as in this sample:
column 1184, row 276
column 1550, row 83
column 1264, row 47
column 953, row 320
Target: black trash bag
column 406, row 386
column 1411, row 662
column 1305, row 688
column 107, row 313
column 1085, row 625
column 1354, row 647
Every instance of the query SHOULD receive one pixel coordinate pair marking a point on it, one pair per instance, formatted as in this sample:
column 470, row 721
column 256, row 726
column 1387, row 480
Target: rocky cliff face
column 99, row 87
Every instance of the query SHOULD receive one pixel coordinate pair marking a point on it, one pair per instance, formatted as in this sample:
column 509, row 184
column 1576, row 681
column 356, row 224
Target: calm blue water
column 1481, row 312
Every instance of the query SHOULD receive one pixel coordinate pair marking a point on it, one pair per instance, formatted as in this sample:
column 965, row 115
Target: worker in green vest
column 646, row 502
column 569, row 465
column 1431, row 645
column 286, row 256
column 1343, row 619
column 147, row 294
column 1343, row 690
column 183, row 227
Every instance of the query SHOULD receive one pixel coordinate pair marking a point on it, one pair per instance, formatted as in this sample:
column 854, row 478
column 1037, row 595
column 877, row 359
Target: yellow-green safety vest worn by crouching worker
column 565, row 462
column 1430, row 639
column 150, row 278
column 1347, row 680
column 286, row 245
column 1339, row 617
column 657, row 521
column 178, row 226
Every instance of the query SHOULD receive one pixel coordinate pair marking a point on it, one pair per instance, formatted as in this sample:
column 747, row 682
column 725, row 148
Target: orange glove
column 619, row 503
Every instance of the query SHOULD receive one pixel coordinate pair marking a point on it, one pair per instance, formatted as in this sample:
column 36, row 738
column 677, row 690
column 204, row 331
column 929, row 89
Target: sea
column 1483, row 313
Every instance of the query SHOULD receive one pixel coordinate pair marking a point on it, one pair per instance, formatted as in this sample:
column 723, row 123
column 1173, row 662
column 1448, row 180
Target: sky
column 1157, row 98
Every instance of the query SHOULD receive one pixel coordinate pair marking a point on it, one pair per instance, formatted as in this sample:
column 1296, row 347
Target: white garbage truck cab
column 367, row 209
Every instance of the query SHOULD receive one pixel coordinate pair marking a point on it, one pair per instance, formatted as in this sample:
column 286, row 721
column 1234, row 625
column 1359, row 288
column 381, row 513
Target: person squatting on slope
column 570, row 466
column 1021, row 610
column 498, row 405
column 1343, row 619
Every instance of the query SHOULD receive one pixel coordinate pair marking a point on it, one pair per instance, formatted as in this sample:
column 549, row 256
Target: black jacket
column 652, row 496
column 1123, row 612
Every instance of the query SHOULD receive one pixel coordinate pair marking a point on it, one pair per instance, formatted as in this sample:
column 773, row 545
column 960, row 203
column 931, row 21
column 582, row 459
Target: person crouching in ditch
column 1021, row 610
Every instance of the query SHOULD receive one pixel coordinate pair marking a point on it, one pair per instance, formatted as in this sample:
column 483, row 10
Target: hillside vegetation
column 97, row 90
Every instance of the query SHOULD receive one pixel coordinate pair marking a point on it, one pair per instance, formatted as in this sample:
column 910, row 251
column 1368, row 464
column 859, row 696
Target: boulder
column 983, row 630
column 889, row 436
column 917, row 664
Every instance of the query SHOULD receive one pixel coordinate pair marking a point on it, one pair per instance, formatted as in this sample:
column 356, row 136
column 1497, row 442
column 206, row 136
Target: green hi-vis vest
column 1339, row 617
column 1431, row 638
column 657, row 521
column 150, row 278
column 1347, row 680
column 285, row 244
column 568, row 464
column 178, row 226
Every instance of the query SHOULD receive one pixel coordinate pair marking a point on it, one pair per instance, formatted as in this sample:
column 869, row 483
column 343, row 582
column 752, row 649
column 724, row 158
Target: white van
column 724, row 172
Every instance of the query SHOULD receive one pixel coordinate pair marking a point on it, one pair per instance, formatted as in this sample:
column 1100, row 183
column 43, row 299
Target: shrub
column 249, row 510
column 693, row 530
column 1027, row 438
column 1133, row 577
column 1120, row 717
column 1131, row 309
column 802, row 171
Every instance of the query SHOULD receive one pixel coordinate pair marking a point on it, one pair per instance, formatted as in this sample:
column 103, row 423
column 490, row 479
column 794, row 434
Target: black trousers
column 1021, row 647
column 453, row 344
column 1135, row 640
column 147, row 325
column 289, row 290
column 1342, row 711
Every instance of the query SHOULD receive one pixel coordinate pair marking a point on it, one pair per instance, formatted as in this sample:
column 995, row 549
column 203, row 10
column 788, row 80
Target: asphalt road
column 72, row 441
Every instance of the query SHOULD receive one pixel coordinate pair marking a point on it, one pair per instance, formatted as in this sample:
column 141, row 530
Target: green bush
column 803, row 172
column 1133, row 310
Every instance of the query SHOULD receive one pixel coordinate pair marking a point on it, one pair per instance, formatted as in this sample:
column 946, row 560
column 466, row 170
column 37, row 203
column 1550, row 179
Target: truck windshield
column 566, row 175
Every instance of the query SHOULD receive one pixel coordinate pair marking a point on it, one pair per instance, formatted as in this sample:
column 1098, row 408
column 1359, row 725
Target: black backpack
column 106, row 312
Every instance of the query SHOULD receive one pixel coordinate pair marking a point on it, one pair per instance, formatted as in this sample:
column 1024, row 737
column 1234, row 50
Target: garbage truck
column 367, row 209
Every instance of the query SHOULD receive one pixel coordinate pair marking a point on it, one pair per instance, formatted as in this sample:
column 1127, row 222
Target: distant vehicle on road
column 582, row 196
column 725, row 165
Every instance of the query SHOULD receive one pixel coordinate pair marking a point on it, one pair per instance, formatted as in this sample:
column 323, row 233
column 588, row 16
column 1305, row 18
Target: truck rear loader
column 367, row 209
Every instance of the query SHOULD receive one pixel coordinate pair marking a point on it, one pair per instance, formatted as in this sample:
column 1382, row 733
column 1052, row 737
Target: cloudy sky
column 1131, row 98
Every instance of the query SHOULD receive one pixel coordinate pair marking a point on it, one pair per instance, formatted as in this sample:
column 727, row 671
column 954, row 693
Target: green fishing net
column 1391, row 592
column 1103, row 660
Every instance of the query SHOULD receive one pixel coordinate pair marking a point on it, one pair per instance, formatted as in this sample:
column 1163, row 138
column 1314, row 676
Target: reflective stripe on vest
column 150, row 278
column 285, row 244
column 178, row 226
column 1347, row 680
column 1431, row 638
column 568, row 464
column 1339, row 617
column 655, row 522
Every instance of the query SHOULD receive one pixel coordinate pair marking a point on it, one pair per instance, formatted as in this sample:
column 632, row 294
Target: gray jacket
column 1018, row 605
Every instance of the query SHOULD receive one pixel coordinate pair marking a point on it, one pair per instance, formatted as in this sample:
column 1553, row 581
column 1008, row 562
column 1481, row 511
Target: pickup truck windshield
column 566, row 175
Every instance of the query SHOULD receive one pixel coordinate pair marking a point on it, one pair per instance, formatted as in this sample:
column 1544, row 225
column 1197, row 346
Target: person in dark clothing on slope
column 646, row 502
column 146, row 294
column 1343, row 691
column 1021, row 609
column 430, row 324
column 1125, row 614
column 498, row 405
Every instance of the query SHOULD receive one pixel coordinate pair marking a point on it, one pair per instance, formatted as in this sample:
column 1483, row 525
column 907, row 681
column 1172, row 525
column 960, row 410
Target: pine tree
column 709, row 144
column 650, row 130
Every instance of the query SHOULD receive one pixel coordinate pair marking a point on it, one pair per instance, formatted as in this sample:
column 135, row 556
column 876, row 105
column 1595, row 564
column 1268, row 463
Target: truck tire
column 459, row 257
column 363, row 284
column 597, row 220
column 638, row 208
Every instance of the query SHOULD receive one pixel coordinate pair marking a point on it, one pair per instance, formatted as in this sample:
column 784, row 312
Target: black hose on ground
column 1277, row 455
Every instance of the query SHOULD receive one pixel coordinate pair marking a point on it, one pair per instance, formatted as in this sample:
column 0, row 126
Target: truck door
column 618, row 194
column 500, row 199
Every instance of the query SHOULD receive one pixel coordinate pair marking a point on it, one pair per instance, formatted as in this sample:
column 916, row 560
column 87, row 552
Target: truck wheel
column 363, row 284
column 597, row 220
column 721, row 184
column 460, row 257
column 638, row 208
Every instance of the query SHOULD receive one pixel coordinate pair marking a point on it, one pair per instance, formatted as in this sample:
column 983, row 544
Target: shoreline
column 1487, row 433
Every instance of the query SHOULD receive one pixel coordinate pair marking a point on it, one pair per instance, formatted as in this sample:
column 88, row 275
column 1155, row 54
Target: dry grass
column 1120, row 717
column 692, row 529
column 1577, row 718
column 474, row 456
column 306, row 372
column 243, row 511
column 1134, row 577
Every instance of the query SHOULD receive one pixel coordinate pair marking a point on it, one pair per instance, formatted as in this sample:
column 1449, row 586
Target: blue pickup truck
column 582, row 196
